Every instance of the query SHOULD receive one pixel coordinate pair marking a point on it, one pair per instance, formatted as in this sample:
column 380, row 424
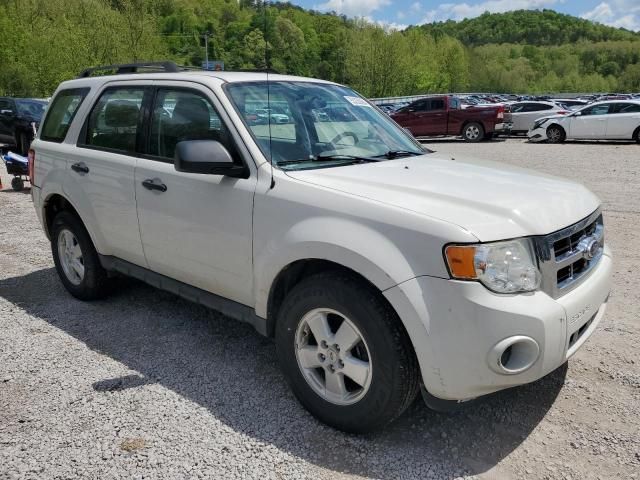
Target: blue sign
column 214, row 65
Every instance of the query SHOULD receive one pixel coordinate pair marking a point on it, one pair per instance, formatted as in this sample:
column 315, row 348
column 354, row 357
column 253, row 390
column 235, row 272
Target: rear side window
column 61, row 113
column 113, row 122
column 627, row 108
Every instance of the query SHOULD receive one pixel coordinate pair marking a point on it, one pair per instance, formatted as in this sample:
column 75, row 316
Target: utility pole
column 206, row 49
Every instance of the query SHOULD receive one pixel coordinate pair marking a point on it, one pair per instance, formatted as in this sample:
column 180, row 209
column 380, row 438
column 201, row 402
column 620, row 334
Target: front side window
column 437, row 104
column 319, row 125
column 113, row 122
column 61, row 113
column 180, row 115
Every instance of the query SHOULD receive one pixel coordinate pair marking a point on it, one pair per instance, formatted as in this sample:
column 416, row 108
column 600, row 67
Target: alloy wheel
column 333, row 356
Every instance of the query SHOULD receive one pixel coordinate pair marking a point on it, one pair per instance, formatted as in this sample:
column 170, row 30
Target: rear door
column 198, row 227
column 623, row 120
column 591, row 123
column 434, row 119
column 100, row 180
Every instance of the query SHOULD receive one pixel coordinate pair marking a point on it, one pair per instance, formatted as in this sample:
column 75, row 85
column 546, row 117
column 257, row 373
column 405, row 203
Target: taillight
column 562, row 112
column 501, row 111
column 31, row 157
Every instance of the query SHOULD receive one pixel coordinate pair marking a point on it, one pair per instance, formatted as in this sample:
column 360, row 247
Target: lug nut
column 341, row 364
column 323, row 344
column 321, row 357
column 337, row 347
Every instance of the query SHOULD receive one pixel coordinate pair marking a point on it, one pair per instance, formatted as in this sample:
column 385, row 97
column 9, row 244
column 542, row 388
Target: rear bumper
column 468, row 329
column 504, row 127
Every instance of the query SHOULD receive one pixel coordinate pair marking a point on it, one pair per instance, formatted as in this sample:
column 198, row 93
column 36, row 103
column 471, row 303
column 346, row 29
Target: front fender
column 347, row 243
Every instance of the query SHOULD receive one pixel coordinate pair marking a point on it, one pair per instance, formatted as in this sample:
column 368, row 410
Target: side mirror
column 208, row 157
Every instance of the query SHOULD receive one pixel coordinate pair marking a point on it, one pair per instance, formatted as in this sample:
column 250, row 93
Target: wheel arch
column 56, row 203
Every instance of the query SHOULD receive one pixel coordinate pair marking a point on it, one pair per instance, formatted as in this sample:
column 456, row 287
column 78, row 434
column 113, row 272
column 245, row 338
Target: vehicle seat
column 120, row 126
column 190, row 120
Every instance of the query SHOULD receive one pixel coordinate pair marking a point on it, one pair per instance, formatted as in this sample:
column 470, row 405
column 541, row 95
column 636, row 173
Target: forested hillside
column 530, row 27
column 46, row 41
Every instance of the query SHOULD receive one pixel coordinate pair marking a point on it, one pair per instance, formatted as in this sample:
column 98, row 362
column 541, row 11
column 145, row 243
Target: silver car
column 524, row 114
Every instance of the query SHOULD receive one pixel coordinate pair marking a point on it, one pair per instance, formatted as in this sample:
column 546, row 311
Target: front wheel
column 345, row 353
column 473, row 132
column 17, row 183
column 636, row 135
column 556, row 134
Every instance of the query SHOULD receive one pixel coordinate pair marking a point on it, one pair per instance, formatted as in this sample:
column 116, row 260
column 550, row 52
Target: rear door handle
column 80, row 167
column 154, row 184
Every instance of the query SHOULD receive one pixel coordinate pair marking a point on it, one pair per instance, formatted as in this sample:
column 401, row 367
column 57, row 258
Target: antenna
column 268, row 67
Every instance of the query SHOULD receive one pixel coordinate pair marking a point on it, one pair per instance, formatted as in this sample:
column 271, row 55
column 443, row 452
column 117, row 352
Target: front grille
column 567, row 256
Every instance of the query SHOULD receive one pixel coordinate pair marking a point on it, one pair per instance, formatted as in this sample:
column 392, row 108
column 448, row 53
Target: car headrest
column 121, row 113
column 192, row 111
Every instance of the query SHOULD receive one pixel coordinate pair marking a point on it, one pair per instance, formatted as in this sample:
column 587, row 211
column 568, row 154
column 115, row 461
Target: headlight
column 503, row 267
column 539, row 123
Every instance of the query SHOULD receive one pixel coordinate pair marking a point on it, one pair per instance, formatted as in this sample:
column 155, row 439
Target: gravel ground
column 146, row 385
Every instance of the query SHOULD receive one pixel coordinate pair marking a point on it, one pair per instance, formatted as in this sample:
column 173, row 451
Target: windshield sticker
column 357, row 101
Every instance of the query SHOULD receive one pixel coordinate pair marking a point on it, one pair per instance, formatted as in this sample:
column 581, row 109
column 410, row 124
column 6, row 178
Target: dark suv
column 17, row 116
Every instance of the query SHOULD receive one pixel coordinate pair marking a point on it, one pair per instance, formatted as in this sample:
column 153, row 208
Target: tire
column 22, row 143
column 94, row 282
column 636, row 135
column 392, row 380
column 556, row 134
column 17, row 184
column 473, row 132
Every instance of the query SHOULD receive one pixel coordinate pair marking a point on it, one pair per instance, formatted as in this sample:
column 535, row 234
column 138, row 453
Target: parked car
column 572, row 103
column 615, row 120
column 17, row 119
column 380, row 268
column 523, row 114
column 264, row 114
column 444, row 115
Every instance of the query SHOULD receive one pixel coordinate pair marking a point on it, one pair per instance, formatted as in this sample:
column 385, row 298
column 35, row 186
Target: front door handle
column 154, row 184
column 80, row 167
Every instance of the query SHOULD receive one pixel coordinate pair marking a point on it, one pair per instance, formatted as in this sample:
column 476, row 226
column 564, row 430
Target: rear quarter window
column 60, row 114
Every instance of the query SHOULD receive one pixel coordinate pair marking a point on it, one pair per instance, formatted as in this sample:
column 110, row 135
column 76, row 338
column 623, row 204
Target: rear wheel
column 76, row 259
column 556, row 134
column 345, row 353
column 473, row 132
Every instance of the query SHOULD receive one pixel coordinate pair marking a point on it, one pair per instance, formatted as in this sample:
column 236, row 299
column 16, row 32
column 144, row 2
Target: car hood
column 493, row 201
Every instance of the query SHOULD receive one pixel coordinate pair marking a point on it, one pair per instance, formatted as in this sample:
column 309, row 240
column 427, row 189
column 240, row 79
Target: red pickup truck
column 443, row 115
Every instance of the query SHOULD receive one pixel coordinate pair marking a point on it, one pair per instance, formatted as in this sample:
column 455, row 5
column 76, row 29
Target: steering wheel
column 346, row 134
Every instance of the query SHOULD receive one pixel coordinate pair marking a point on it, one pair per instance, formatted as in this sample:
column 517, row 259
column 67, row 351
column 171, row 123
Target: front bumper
column 467, row 328
column 537, row 134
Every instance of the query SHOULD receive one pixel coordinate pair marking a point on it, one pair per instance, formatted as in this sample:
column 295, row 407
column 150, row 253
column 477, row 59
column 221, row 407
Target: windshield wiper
column 330, row 158
column 391, row 154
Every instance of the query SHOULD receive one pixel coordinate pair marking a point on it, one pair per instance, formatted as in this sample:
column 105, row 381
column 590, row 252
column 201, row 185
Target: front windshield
column 31, row 108
column 302, row 125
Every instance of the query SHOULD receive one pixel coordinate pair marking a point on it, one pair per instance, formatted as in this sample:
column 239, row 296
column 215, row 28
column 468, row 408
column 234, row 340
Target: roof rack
column 153, row 67
column 133, row 68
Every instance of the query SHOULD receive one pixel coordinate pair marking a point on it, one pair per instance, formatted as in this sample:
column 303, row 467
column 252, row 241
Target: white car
column 524, row 114
column 612, row 120
column 381, row 269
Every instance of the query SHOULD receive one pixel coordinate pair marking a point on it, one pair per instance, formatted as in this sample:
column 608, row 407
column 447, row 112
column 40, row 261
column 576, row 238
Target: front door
column 591, row 123
column 197, row 228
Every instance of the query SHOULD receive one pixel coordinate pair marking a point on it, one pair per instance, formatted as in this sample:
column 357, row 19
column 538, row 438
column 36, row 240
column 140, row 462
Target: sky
column 402, row 13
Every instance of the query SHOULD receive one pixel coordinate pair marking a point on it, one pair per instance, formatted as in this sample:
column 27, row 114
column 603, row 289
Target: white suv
column 379, row 267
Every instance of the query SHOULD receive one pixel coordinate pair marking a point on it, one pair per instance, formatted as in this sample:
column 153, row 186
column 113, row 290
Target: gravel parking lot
column 146, row 385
